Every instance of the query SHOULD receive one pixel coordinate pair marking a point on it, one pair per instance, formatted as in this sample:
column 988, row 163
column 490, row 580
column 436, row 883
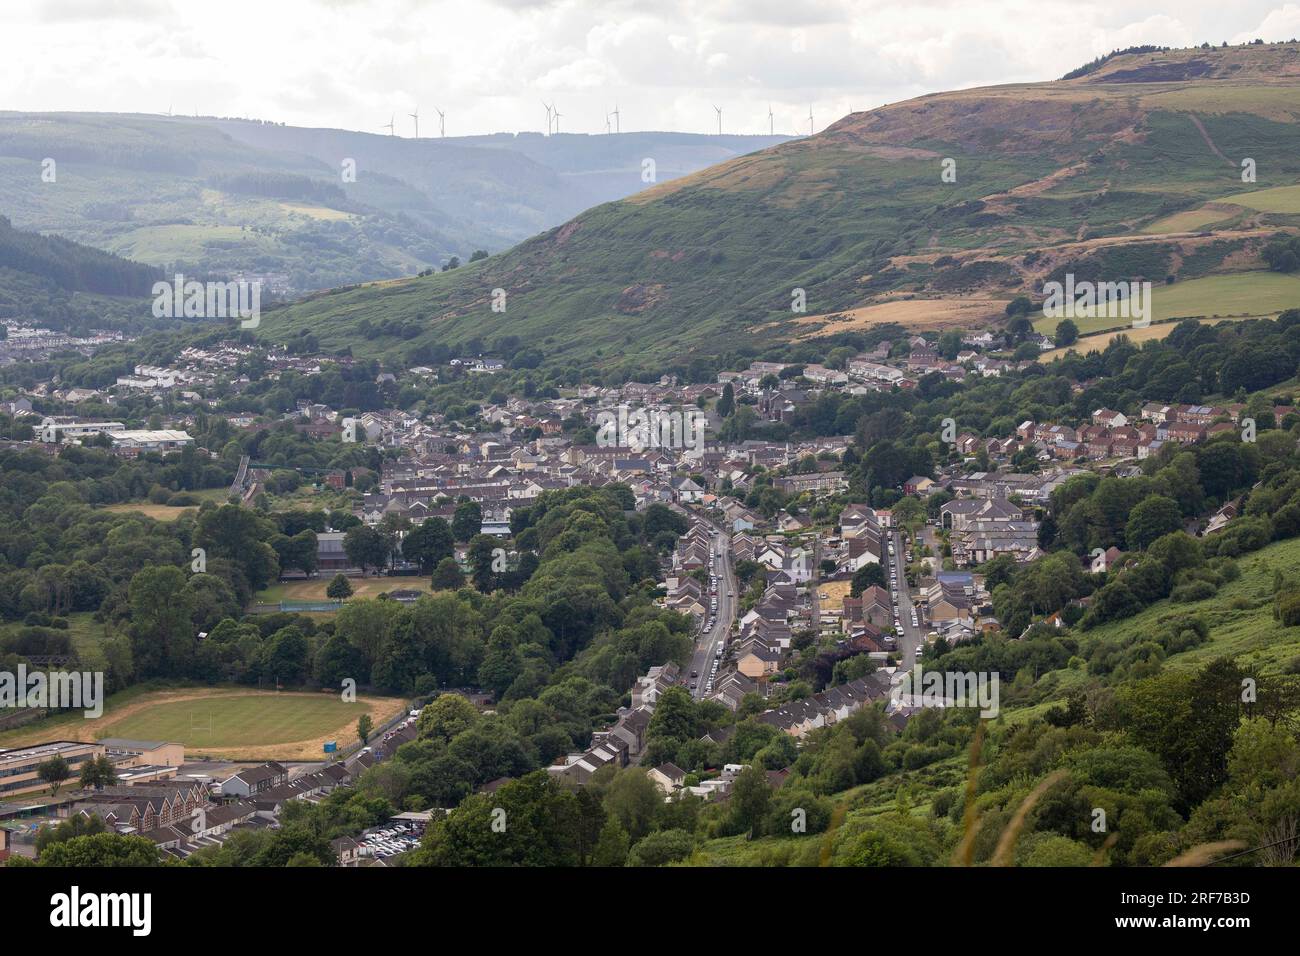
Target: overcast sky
column 489, row 63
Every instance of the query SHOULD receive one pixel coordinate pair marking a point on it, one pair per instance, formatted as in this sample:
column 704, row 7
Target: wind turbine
column 617, row 128
column 548, row 118
column 416, row 116
column 442, row 122
column 718, row 110
column 771, row 122
column 389, row 125
column 555, row 108
column 608, row 128
column 810, row 120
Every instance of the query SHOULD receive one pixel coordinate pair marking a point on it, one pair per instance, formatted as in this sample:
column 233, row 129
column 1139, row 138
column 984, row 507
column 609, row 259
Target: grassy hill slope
column 1050, row 178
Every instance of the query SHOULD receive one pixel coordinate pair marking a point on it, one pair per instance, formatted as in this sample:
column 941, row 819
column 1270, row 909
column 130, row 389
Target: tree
column 482, row 556
column 1067, row 333
column 101, row 850
column 367, row 547
column 299, row 551
column 75, row 826
column 54, row 772
column 428, row 543
column 467, row 521
column 447, row 717
column 241, row 537
column 162, row 629
column 1020, row 305
column 632, row 800
column 1151, row 518
column 447, row 576
column 98, row 773
column 364, row 727
column 339, row 589
column 869, row 575
column 286, row 654
column 612, row 847
column 665, row 846
column 727, row 403
column 1187, row 720
column 750, row 797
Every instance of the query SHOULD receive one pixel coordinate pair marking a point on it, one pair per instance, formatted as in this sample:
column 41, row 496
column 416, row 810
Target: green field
column 232, row 723
column 1098, row 341
column 1190, row 220
column 1241, row 294
column 1284, row 199
column 239, row 720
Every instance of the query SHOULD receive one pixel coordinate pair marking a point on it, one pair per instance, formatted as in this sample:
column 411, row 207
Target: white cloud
column 352, row 63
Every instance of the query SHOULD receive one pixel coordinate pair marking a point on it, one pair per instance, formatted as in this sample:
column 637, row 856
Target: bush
column 1288, row 608
column 1193, row 591
column 666, row 846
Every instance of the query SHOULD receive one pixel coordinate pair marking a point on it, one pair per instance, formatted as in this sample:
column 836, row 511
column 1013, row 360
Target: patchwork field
column 150, row 510
column 1099, row 341
column 226, row 723
column 1192, row 220
column 1285, row 199
column 1244, row 294
column 914, row 314
column 167, row 512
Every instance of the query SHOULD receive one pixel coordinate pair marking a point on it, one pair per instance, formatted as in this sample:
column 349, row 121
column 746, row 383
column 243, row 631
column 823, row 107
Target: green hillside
column 228, row 196
column 1051, row 178
column 64, row 284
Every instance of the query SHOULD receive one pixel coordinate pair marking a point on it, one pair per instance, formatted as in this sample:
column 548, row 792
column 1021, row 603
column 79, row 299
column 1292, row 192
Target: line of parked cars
column 391, row 840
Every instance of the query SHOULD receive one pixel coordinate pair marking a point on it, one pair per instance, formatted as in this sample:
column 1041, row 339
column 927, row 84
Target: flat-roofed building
column 134, row 441
column 18, row 767
column 142, row 753
column 61, row 428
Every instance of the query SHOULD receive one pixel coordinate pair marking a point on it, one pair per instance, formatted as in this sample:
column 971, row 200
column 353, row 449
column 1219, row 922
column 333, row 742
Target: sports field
column 313, row 589
column 228, row 723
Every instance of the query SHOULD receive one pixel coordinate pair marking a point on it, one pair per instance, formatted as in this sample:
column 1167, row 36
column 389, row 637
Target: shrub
column 1288, row 608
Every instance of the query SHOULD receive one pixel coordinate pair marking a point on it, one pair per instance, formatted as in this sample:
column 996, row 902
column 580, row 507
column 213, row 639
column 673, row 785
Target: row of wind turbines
column 771, row 120
column 553, row 115
column 442, row 123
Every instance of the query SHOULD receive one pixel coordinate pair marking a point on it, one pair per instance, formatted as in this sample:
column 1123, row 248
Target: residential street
column 706, row 644
column 912, row 636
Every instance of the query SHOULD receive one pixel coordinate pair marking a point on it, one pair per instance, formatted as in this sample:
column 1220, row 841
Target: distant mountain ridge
column 236, row 196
